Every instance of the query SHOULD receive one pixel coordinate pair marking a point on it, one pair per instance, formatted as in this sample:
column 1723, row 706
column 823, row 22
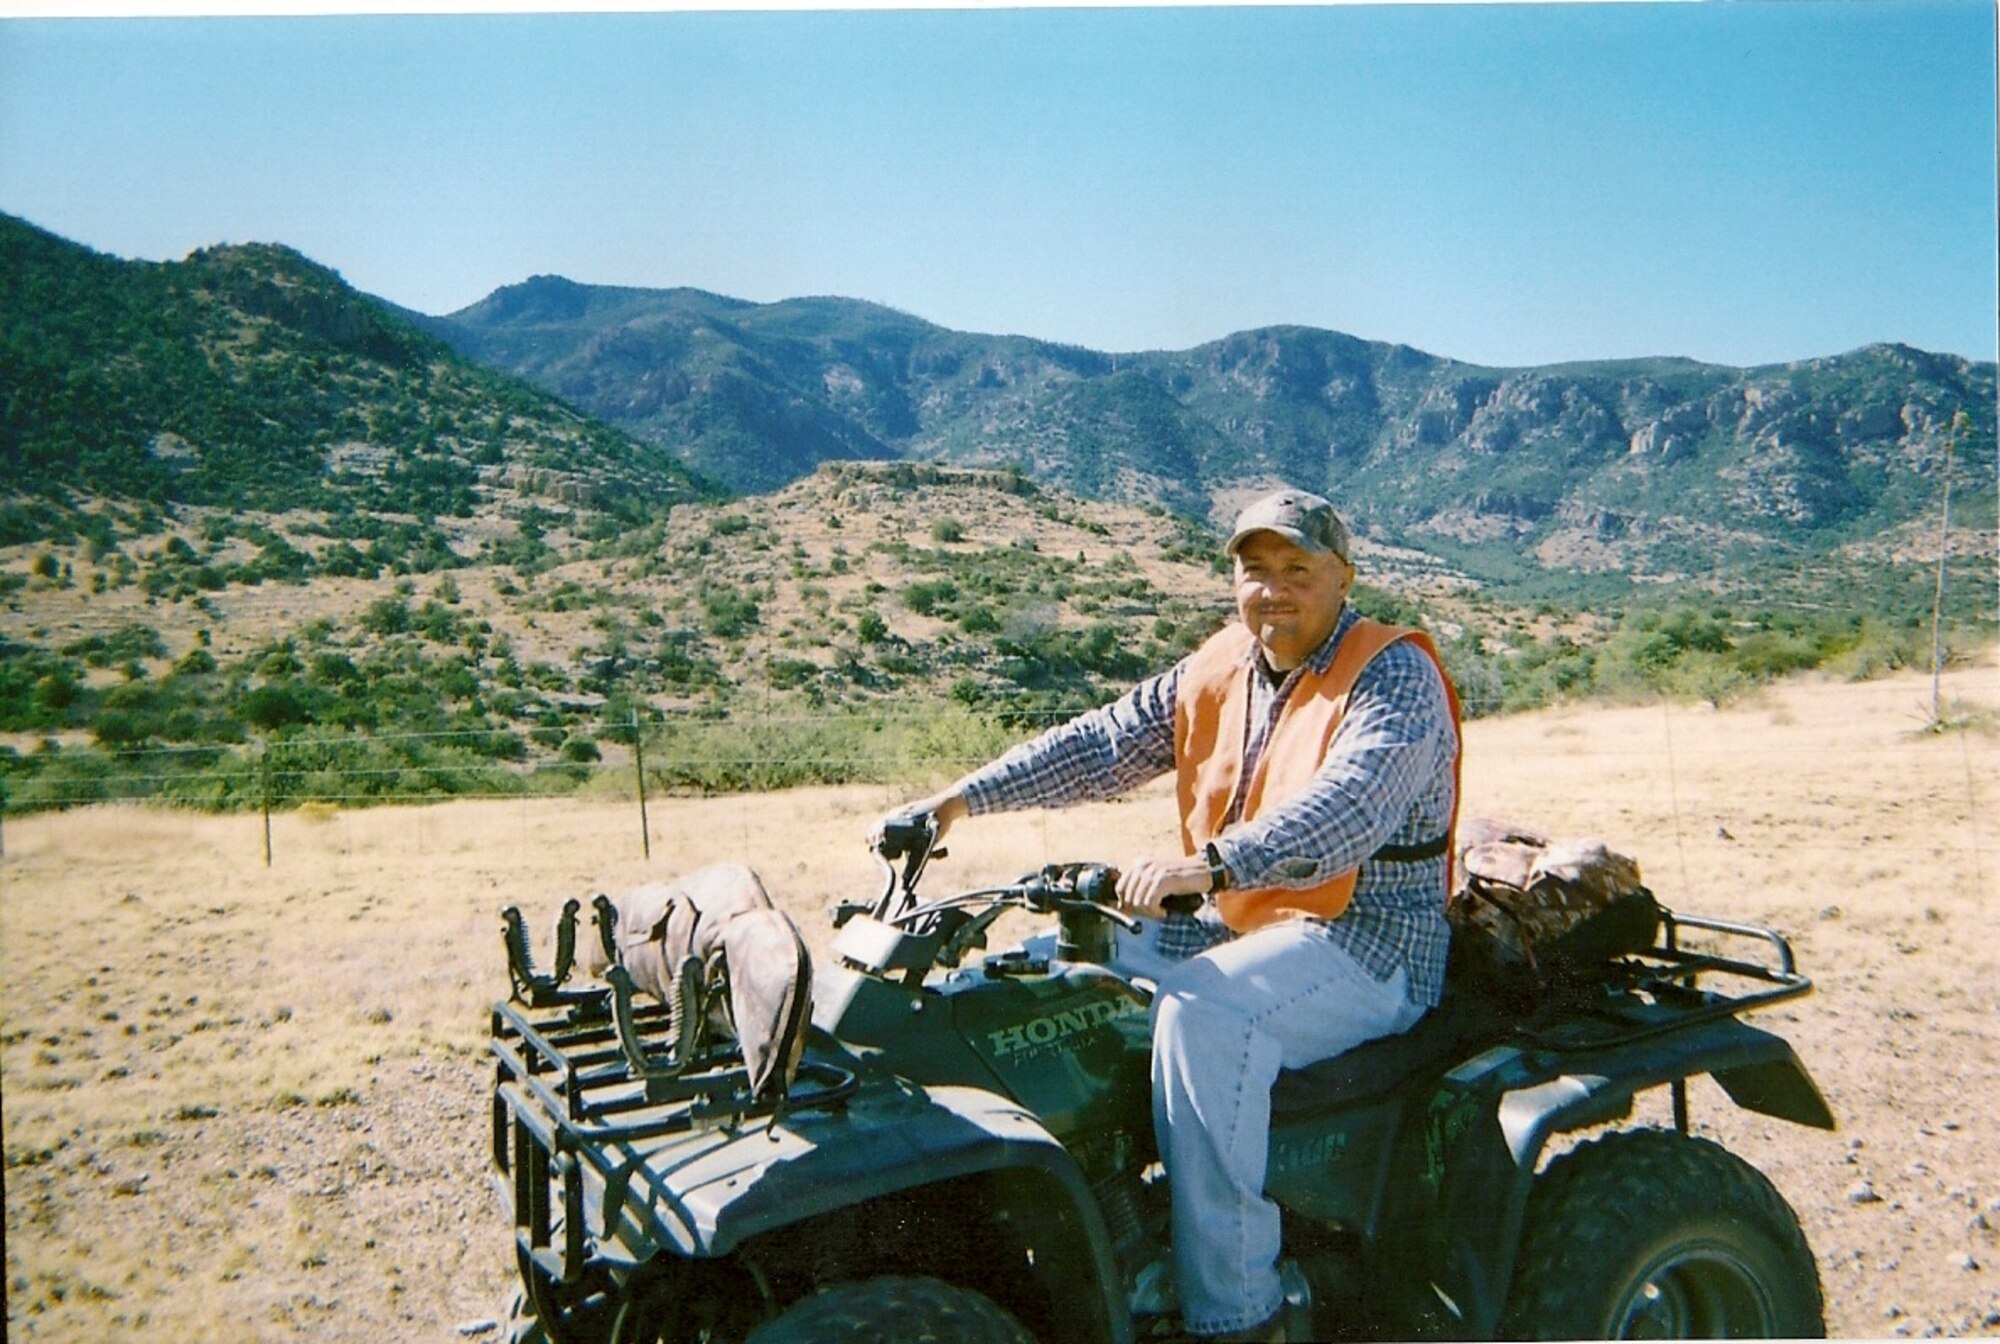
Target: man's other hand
column 1146, row 883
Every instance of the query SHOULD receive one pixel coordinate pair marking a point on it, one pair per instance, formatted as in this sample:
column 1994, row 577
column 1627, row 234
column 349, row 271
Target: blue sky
column 1743, row 183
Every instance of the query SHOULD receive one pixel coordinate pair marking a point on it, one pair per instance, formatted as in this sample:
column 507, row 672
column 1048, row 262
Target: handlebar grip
column 900, row 835
column 1098, row 884
column 1182, row 903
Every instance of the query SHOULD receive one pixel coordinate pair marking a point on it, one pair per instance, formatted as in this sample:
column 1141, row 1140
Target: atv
column 966, row 1150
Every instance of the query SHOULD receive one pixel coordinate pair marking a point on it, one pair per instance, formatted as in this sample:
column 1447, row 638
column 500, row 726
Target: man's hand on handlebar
column 1145, row 884
column 945, row 807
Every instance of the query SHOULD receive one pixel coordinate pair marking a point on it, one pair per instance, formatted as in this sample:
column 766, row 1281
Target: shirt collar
column 1319, row 660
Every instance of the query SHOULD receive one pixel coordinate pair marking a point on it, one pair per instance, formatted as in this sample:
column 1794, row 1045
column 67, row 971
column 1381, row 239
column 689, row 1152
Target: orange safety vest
column 1211, row 712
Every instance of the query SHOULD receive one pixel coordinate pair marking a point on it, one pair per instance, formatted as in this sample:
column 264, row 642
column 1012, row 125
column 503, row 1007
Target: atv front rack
column 569, row 1099
column 601, row 1066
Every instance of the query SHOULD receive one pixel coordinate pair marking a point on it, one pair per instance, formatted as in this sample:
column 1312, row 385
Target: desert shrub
column 386, row 616
column 1877, row 650
column 438, row 622
column 279, row 704
column 39, row 690
column 728, row 613
column 926, row 596
column 65, row 778
column 790, row 673
column 1710, row 676
column 120, row 646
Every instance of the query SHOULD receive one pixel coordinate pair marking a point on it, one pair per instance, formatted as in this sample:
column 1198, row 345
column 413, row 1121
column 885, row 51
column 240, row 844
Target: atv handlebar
column 1057, row 889
column 1087, row 887
column 913, row 935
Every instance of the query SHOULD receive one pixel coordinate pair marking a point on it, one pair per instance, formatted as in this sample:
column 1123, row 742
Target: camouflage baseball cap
column 1306, row 520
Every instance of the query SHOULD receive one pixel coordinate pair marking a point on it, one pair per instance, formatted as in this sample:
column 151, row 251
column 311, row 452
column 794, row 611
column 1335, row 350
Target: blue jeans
column 1224, row 1024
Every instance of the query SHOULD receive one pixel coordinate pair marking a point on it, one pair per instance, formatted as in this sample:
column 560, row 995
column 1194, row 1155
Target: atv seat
column 1444, row 1034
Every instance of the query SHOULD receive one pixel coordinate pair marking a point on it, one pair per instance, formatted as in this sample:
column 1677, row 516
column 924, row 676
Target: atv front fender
column 704, row 1195
column 1491, row 1119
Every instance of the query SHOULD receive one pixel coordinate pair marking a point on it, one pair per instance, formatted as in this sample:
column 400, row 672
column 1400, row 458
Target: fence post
column 639, row 766
column 264, row 773
column 1937, row 601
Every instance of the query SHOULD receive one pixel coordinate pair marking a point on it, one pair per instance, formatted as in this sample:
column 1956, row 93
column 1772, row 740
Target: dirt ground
column 250, row 1102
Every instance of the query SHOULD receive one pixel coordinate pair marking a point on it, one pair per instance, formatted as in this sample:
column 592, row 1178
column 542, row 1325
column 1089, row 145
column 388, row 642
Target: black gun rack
column 600, row 1065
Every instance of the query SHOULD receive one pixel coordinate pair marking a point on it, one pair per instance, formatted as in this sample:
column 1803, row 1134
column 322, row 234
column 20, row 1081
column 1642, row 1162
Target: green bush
column 926, row 596
column 120, row 646
column 278, row 705
column 386, row 616
column 789, row 673
column 728, row 613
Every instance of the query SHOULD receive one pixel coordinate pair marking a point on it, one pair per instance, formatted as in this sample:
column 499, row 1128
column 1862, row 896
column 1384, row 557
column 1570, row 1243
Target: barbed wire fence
column 692, row 755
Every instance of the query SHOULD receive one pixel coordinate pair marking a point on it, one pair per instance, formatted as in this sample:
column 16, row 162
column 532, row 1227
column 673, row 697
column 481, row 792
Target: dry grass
column 250, row 1101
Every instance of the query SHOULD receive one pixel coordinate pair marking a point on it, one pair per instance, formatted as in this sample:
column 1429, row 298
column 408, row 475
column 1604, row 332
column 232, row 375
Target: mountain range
column 251, row 375
column 242, row 502
column 1655, row 467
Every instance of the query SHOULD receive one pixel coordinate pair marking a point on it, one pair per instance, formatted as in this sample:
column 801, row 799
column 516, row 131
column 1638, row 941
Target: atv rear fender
column 1491, row 1118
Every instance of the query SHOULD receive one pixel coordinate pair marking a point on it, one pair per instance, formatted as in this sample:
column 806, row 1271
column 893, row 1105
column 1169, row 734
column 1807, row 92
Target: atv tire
column 893, row 1310
column 1651, row 1234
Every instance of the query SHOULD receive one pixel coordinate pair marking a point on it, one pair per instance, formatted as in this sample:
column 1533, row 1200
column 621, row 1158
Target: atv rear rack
column 1660, row 989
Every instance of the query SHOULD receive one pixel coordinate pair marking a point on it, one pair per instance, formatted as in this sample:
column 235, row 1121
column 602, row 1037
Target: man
column 1316, row 754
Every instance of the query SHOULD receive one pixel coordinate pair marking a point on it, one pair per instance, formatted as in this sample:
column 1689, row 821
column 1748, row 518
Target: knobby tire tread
column 1583, row 1210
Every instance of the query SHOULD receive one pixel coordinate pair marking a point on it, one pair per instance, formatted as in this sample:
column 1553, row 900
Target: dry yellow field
column 250, row 1103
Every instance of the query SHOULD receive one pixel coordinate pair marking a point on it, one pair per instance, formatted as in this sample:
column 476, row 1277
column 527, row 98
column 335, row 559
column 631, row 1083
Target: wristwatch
column 1218, row 876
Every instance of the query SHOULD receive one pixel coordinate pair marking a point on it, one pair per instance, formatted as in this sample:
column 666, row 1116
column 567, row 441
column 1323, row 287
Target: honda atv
column 965, row 1151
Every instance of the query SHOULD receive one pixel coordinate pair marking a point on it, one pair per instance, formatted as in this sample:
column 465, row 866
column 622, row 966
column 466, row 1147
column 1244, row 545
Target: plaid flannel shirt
column 1387, row 779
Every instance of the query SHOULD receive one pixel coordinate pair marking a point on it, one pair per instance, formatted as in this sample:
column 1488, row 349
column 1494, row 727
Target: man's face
column 1288, row 596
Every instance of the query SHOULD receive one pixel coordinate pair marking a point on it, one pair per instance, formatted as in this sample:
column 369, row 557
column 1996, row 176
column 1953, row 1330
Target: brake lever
column 1129, row 923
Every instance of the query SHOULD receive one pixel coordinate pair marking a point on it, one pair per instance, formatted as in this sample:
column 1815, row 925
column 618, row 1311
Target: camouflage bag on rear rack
column 1534, row 919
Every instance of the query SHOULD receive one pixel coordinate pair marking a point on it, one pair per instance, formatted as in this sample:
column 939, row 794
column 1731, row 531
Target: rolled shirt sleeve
column 1101, row 754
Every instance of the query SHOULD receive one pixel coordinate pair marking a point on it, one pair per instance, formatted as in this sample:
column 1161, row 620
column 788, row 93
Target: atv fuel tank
column 1071, row 1046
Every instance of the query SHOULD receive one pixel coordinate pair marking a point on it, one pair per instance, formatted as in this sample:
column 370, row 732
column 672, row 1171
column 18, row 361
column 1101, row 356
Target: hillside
column 1558, row 478
column 249, row 378
column 245, row 506
column 868, row 588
